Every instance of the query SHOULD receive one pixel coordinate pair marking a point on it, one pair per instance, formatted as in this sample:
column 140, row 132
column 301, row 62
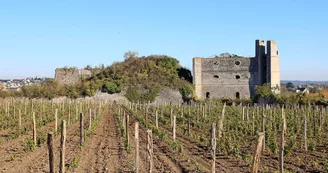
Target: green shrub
column 29, row 145
column 150, row 93
column 142, row 94
column 186, row 91
column 132, row 94
column 72, row 91
column 41, row 139
column 111, row 88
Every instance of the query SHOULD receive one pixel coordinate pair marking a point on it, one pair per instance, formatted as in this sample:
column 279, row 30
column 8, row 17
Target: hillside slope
column 142, row 78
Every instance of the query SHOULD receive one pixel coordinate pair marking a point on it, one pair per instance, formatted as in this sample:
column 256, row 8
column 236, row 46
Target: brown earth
column 104, row 151
column 162, row 163
column 12, row 152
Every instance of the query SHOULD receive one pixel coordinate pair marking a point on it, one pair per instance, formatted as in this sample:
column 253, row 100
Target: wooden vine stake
column 56, row 119
column 253, row 124
column 34, row 129
column 81, row 129
column 197, row 113
column 150, row 164
column 305, row 132
column 76, row 112
column 156, row 118
column 263, row 126
column 213, row 143
column 203, row 112
column 282, row 142
column 90, row 119
column 7, row 109
column 220, row 121
column 257, row 153
column 247, row 114
column 20, row 119
column 25, row 109
column 136, row 137
column 243, row 113
column 69, row 113
column 127, row 129
column 314, row 123
column 146, row 114
column 62, row 148
column 14, row 111
column 171, row 114
column 50, row 142
column 123, row 121
column 174, row 126
column 189, row 121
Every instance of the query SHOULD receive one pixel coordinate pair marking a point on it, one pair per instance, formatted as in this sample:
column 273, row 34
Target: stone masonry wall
column 70, row 76
column 237, row 77
column 225, row 77
column 67, row 76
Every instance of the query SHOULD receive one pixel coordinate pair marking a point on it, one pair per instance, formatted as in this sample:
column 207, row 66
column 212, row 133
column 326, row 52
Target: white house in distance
column 302, row 90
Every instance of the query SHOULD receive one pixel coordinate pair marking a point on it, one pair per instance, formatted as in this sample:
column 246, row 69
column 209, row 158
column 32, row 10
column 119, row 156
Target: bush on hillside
column 132, row 94
column 147, row 75
column 186, row 92
column 111, row 88
column 72, row 91
column 89, row 88
column 145, row 94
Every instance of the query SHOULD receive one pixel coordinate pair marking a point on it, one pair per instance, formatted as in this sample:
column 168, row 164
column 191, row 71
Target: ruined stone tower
column 71, row 76
column 236, row 77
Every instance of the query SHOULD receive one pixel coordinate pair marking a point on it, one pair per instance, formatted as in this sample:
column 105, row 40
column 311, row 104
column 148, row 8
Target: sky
column 37, row 36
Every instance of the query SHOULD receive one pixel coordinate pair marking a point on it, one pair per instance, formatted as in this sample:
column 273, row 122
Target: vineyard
column 97, row 136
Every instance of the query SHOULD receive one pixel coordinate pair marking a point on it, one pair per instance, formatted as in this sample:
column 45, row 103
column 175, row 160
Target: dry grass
column 324, row 93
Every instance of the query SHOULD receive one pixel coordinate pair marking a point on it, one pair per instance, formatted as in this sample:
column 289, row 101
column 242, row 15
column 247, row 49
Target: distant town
column 290, row 85
column 17, row 84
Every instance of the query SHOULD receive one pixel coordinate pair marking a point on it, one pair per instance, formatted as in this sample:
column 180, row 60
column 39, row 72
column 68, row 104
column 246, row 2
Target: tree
column 225, row 55
column 88, row 67
column 263, row 91
column 290, row 85
column 130, row 55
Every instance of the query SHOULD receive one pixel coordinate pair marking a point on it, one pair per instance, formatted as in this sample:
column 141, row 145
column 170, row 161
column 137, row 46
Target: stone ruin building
column 236, row 77
column 71, row 76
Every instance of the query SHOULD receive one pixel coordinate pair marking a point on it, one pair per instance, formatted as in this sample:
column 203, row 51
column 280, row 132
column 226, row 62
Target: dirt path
column 103, row 151
column 162, row 162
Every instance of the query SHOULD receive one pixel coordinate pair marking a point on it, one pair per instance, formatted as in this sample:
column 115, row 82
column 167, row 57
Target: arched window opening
column 207, row 95
column 237, row 77
column 216, row 76
column 237, row 95
column 237, row 62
